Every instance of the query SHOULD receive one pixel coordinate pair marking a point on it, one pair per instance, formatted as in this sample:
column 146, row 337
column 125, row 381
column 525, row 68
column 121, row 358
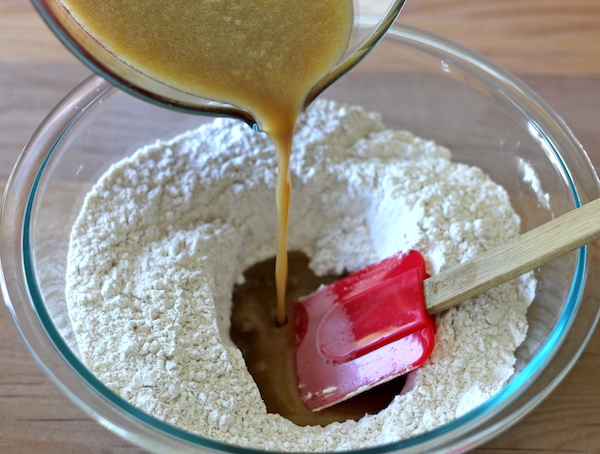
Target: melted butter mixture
column 263, row 56
column 268, row 349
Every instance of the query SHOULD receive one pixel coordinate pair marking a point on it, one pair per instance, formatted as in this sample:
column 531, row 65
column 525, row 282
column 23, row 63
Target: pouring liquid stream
column 264, row 57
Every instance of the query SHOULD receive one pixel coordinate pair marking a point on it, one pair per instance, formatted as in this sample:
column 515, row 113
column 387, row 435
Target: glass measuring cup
column 372, row 18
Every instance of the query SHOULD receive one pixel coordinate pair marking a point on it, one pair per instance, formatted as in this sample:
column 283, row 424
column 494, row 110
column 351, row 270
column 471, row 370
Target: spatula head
column 362, row 330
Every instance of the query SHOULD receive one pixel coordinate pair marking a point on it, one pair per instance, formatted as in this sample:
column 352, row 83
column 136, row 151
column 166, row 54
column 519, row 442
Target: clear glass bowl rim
column 49, row 349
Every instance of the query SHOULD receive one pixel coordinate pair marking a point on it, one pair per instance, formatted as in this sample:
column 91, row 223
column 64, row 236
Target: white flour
column 165, row 234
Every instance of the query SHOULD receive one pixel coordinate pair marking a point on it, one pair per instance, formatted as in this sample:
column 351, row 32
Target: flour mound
column 165, row 234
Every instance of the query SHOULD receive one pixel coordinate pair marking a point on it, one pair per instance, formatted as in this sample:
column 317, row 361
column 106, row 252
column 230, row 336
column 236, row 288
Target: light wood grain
column 25, row 37
column 525, row 253
column 528, row 37
column 554, row 45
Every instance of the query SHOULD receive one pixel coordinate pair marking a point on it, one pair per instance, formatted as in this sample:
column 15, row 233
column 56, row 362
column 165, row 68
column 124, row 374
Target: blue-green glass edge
column 58, row 341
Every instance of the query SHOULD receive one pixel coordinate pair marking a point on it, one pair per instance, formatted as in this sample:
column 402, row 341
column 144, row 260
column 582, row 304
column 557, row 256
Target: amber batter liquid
column 263, row 56
column 268, row 349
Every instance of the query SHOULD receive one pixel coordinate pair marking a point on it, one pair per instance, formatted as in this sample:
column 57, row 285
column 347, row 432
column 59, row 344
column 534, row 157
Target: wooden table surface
column 553, row 45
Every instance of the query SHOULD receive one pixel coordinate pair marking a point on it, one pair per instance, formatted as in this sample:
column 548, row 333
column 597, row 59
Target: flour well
column 165, row 234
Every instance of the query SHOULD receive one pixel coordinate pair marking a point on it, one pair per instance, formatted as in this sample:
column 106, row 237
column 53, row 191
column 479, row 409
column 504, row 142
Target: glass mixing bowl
column 418, row 82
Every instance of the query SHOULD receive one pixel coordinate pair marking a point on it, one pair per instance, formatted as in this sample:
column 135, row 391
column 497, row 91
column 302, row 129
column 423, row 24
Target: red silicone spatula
column 377, row 324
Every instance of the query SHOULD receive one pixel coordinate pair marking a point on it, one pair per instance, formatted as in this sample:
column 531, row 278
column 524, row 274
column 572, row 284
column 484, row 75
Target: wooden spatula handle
column 525, row 253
